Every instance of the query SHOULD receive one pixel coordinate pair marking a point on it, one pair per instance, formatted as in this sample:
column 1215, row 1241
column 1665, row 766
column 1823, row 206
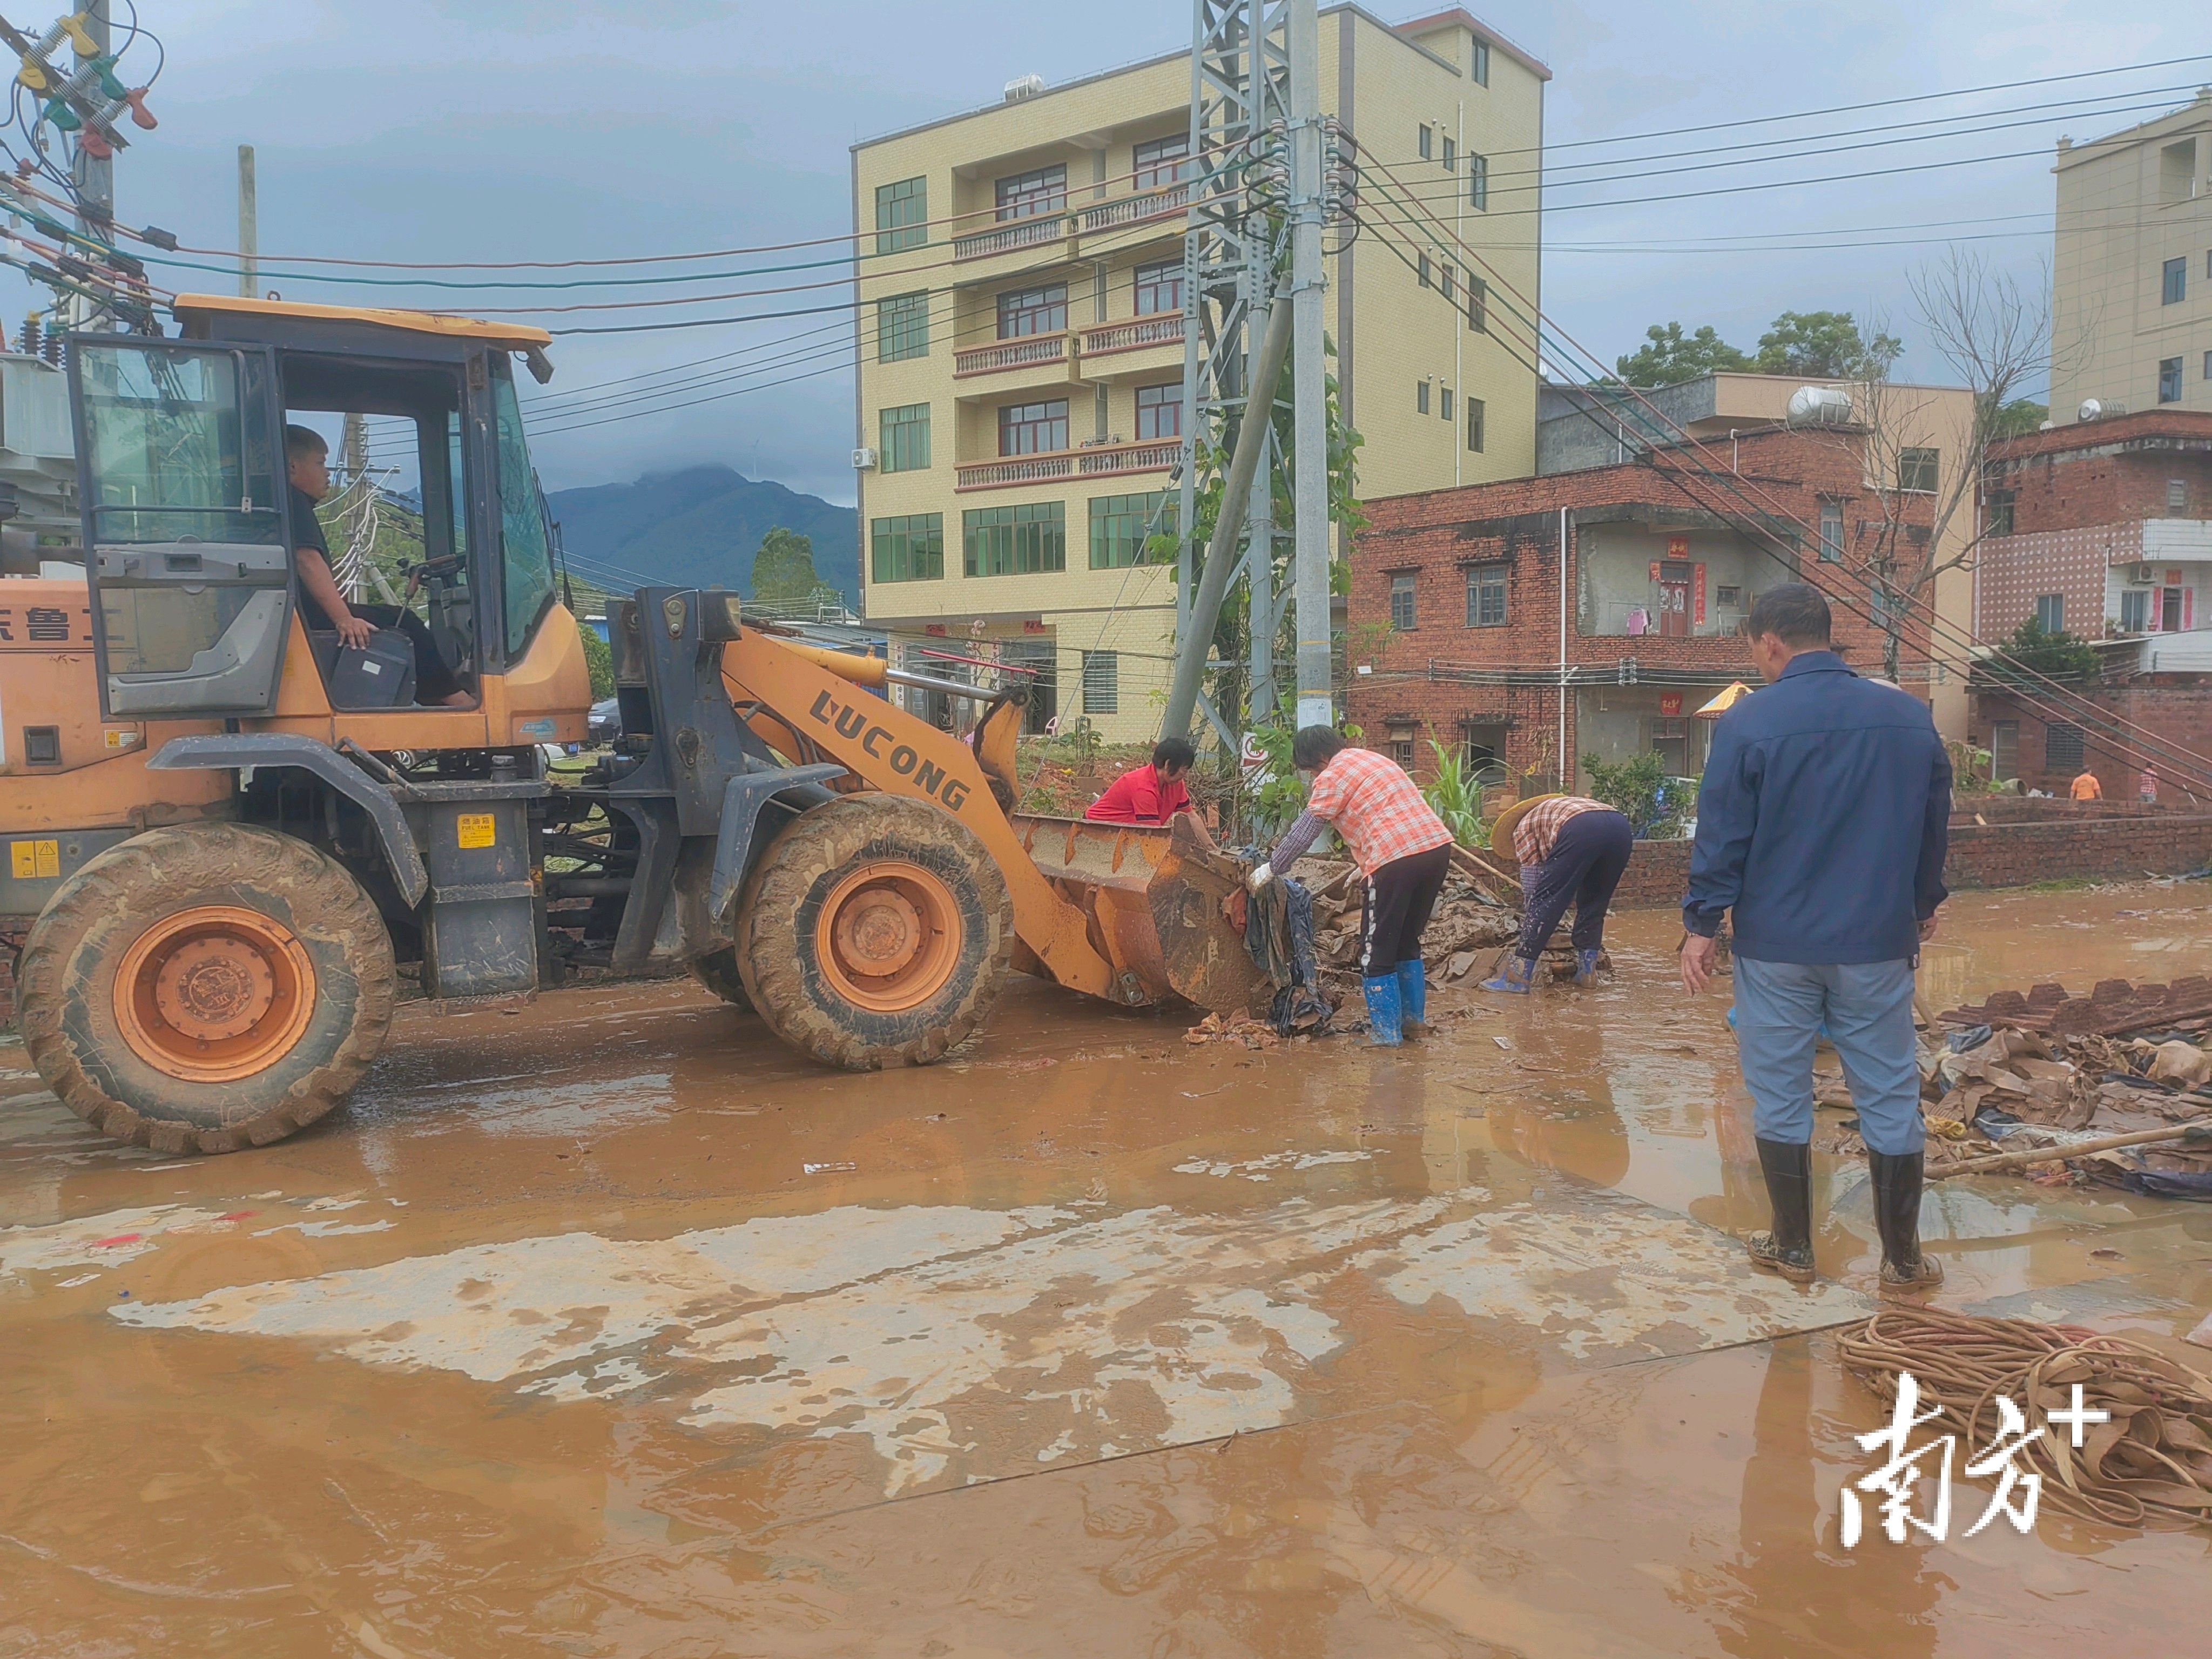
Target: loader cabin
column 183, row 470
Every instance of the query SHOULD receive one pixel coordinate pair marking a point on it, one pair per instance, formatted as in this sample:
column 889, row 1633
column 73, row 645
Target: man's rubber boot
column 1413, row 1000
column 1586, row 967
column 1385, row 1012
column 1896, row 1180
column 1517, row 975
column 1788, row 1248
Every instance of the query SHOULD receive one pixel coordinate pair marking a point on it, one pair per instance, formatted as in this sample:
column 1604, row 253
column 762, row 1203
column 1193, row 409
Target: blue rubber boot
column 1518, row 974
column 1413, row 1000
column 1586, row 968
column 1385, row 1014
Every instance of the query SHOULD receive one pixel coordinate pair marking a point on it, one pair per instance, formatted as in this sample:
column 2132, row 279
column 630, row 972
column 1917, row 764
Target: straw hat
column 1501, row 831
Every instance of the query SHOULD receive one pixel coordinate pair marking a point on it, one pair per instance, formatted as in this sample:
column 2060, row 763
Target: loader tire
column 205, row 987
column 717, row 971
column 876, row 930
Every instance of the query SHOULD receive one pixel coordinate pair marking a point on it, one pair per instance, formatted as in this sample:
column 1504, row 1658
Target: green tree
column 2037, row 649
column 1633, row 786
column 2018, row 418
column 783, row 570
column 1669, row 357
column 1825, row 345
column 599, row 657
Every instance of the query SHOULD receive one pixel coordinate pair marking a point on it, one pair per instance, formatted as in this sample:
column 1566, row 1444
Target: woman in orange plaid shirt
column 1400, row 845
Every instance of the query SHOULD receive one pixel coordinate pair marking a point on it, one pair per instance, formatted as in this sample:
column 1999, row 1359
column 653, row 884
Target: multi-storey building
column 2132, row 282
column 1021, row 319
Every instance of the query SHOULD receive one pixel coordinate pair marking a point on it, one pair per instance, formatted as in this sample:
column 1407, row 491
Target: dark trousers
column 1584, row 868
column 1400, row 898
column 433, row 681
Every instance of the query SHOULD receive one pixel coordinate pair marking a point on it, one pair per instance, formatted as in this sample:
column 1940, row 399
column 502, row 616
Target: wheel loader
column 224, row 842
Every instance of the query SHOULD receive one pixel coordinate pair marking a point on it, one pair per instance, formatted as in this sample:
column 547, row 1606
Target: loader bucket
column 1159, row 906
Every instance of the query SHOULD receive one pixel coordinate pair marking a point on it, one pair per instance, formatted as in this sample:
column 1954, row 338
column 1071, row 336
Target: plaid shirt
column 1368, row 799
column 1538, row 831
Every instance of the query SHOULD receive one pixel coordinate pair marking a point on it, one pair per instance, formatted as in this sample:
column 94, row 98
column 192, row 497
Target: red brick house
column 1459, row 629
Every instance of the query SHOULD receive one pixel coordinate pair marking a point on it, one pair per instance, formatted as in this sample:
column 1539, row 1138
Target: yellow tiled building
column 2132, row 282
column 1021, row 341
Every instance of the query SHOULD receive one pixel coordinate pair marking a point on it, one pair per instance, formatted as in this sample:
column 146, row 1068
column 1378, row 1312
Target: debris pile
column 2046, row 1070
column 1250, row 1029
column 1471, row 921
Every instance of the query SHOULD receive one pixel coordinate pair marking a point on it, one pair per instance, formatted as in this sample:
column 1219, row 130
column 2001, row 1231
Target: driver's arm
column 323, row 588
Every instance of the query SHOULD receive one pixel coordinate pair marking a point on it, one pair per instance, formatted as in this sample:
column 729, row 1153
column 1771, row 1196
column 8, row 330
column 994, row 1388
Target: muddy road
column 604, row 1326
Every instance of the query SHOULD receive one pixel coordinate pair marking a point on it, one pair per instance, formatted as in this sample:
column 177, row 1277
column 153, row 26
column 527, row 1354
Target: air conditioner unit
column 2140, row 575
column 864, row 460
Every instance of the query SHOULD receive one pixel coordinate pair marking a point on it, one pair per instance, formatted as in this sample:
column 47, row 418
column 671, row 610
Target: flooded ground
column 606, row 1326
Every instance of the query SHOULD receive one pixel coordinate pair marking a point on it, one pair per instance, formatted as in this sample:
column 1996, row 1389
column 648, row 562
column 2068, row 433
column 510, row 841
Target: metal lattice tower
column 1239, row 89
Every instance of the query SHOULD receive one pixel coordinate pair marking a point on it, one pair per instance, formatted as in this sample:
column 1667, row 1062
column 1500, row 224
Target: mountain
column 699, row 528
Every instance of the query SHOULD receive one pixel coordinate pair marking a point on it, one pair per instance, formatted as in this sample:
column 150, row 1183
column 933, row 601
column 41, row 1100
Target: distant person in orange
column 2085, row 787
column 1152, row 793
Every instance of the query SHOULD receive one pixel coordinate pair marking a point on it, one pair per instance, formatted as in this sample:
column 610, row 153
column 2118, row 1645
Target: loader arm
column 893, row 751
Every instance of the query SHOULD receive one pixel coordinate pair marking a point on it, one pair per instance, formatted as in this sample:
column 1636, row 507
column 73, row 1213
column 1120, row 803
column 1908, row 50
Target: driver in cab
column 307, row 464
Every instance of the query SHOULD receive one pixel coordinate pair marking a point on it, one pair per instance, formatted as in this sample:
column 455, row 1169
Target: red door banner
column 1670, row 704
column 1701, row 594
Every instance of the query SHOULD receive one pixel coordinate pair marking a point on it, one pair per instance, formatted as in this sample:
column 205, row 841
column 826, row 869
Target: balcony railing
column 1105, row 461
column 1024, row 353
column 1165, row 328
column 1152, row 205
column 1021, row 232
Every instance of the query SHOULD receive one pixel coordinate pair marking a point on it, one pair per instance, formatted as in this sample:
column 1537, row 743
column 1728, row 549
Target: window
column 2050, row 612
column 1832, row 532
column 1478, row 304
column 2135, row 610
column 1916, row 469
column 902, row 327
column 1027, row 311
column 1014, row 541
column 1451, row 156
column 2177, row 170
column 1423, row 271
column 2174, row 288
column 2169, row 380
column 1420, row 397
column 1729, row 596
column 901, row 215
column 1119, row 524
column 1478, row 182
column 525, row 551
column 906, row 549
column 1444, row 403
column 1474, row 413
column 1033, row 428
column 2001, row 504
column 1102, row 682
column 1026, row 194
column 905, row 438
column 2208, row 365
column 1485, row 596
column 2004, row 750
column 1402, row 746
column 2177, row 494
column 1403, row 614
column 1158, row 163
column 1447, row 276
column 1478, row 71
column 1159, row 288
column 1427, row 141
column 2062, row 747
column 1159, row 412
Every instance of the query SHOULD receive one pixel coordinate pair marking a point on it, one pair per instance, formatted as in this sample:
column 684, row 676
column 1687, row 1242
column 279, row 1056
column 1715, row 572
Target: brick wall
column 2109, row 849
column 2180, row 715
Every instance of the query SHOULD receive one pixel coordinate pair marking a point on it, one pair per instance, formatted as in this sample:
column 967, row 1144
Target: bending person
column 1401, row 846
column 1572, row 850
column 322, row 607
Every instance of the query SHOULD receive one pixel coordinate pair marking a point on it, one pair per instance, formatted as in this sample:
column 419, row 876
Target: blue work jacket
column 1822, row 820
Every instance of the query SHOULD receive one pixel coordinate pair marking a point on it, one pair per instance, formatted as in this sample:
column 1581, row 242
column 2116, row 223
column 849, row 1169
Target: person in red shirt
column 1153, row 794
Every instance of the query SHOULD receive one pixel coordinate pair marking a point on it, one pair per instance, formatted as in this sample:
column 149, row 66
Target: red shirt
column 1138, row 796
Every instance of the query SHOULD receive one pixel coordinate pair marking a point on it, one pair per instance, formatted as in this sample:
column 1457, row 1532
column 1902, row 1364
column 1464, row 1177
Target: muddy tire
column 718, row 972
column 875, row 932
column 206, row 988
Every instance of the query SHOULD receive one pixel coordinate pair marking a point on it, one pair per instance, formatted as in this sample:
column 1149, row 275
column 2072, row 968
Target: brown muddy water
column 606, row 1327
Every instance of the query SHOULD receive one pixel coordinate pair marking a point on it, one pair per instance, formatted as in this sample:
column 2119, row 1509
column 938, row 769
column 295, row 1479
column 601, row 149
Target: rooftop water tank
column 1820, row 405
column 1024, row 86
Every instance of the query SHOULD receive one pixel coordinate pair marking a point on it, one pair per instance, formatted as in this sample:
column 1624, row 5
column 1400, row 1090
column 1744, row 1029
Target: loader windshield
column 526, row 550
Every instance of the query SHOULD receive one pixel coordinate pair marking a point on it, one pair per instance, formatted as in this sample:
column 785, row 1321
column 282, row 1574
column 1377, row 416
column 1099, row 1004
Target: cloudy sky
column 549, row 129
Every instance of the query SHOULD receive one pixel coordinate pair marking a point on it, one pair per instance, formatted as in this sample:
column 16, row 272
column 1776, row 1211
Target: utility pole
column 249, row 228
column 93, row 175
column 1316, row 704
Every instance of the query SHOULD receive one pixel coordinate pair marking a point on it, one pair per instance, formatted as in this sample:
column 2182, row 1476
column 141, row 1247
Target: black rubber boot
column 1788, row 1249
column 1897, row 1178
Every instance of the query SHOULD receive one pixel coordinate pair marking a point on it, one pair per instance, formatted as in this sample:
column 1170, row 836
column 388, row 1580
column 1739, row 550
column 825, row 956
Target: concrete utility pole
column 1316, row 703
column 249, row 228
column 93, row 175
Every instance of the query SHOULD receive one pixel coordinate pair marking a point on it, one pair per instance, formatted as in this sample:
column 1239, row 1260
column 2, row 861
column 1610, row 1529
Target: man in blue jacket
column 1822, row 824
